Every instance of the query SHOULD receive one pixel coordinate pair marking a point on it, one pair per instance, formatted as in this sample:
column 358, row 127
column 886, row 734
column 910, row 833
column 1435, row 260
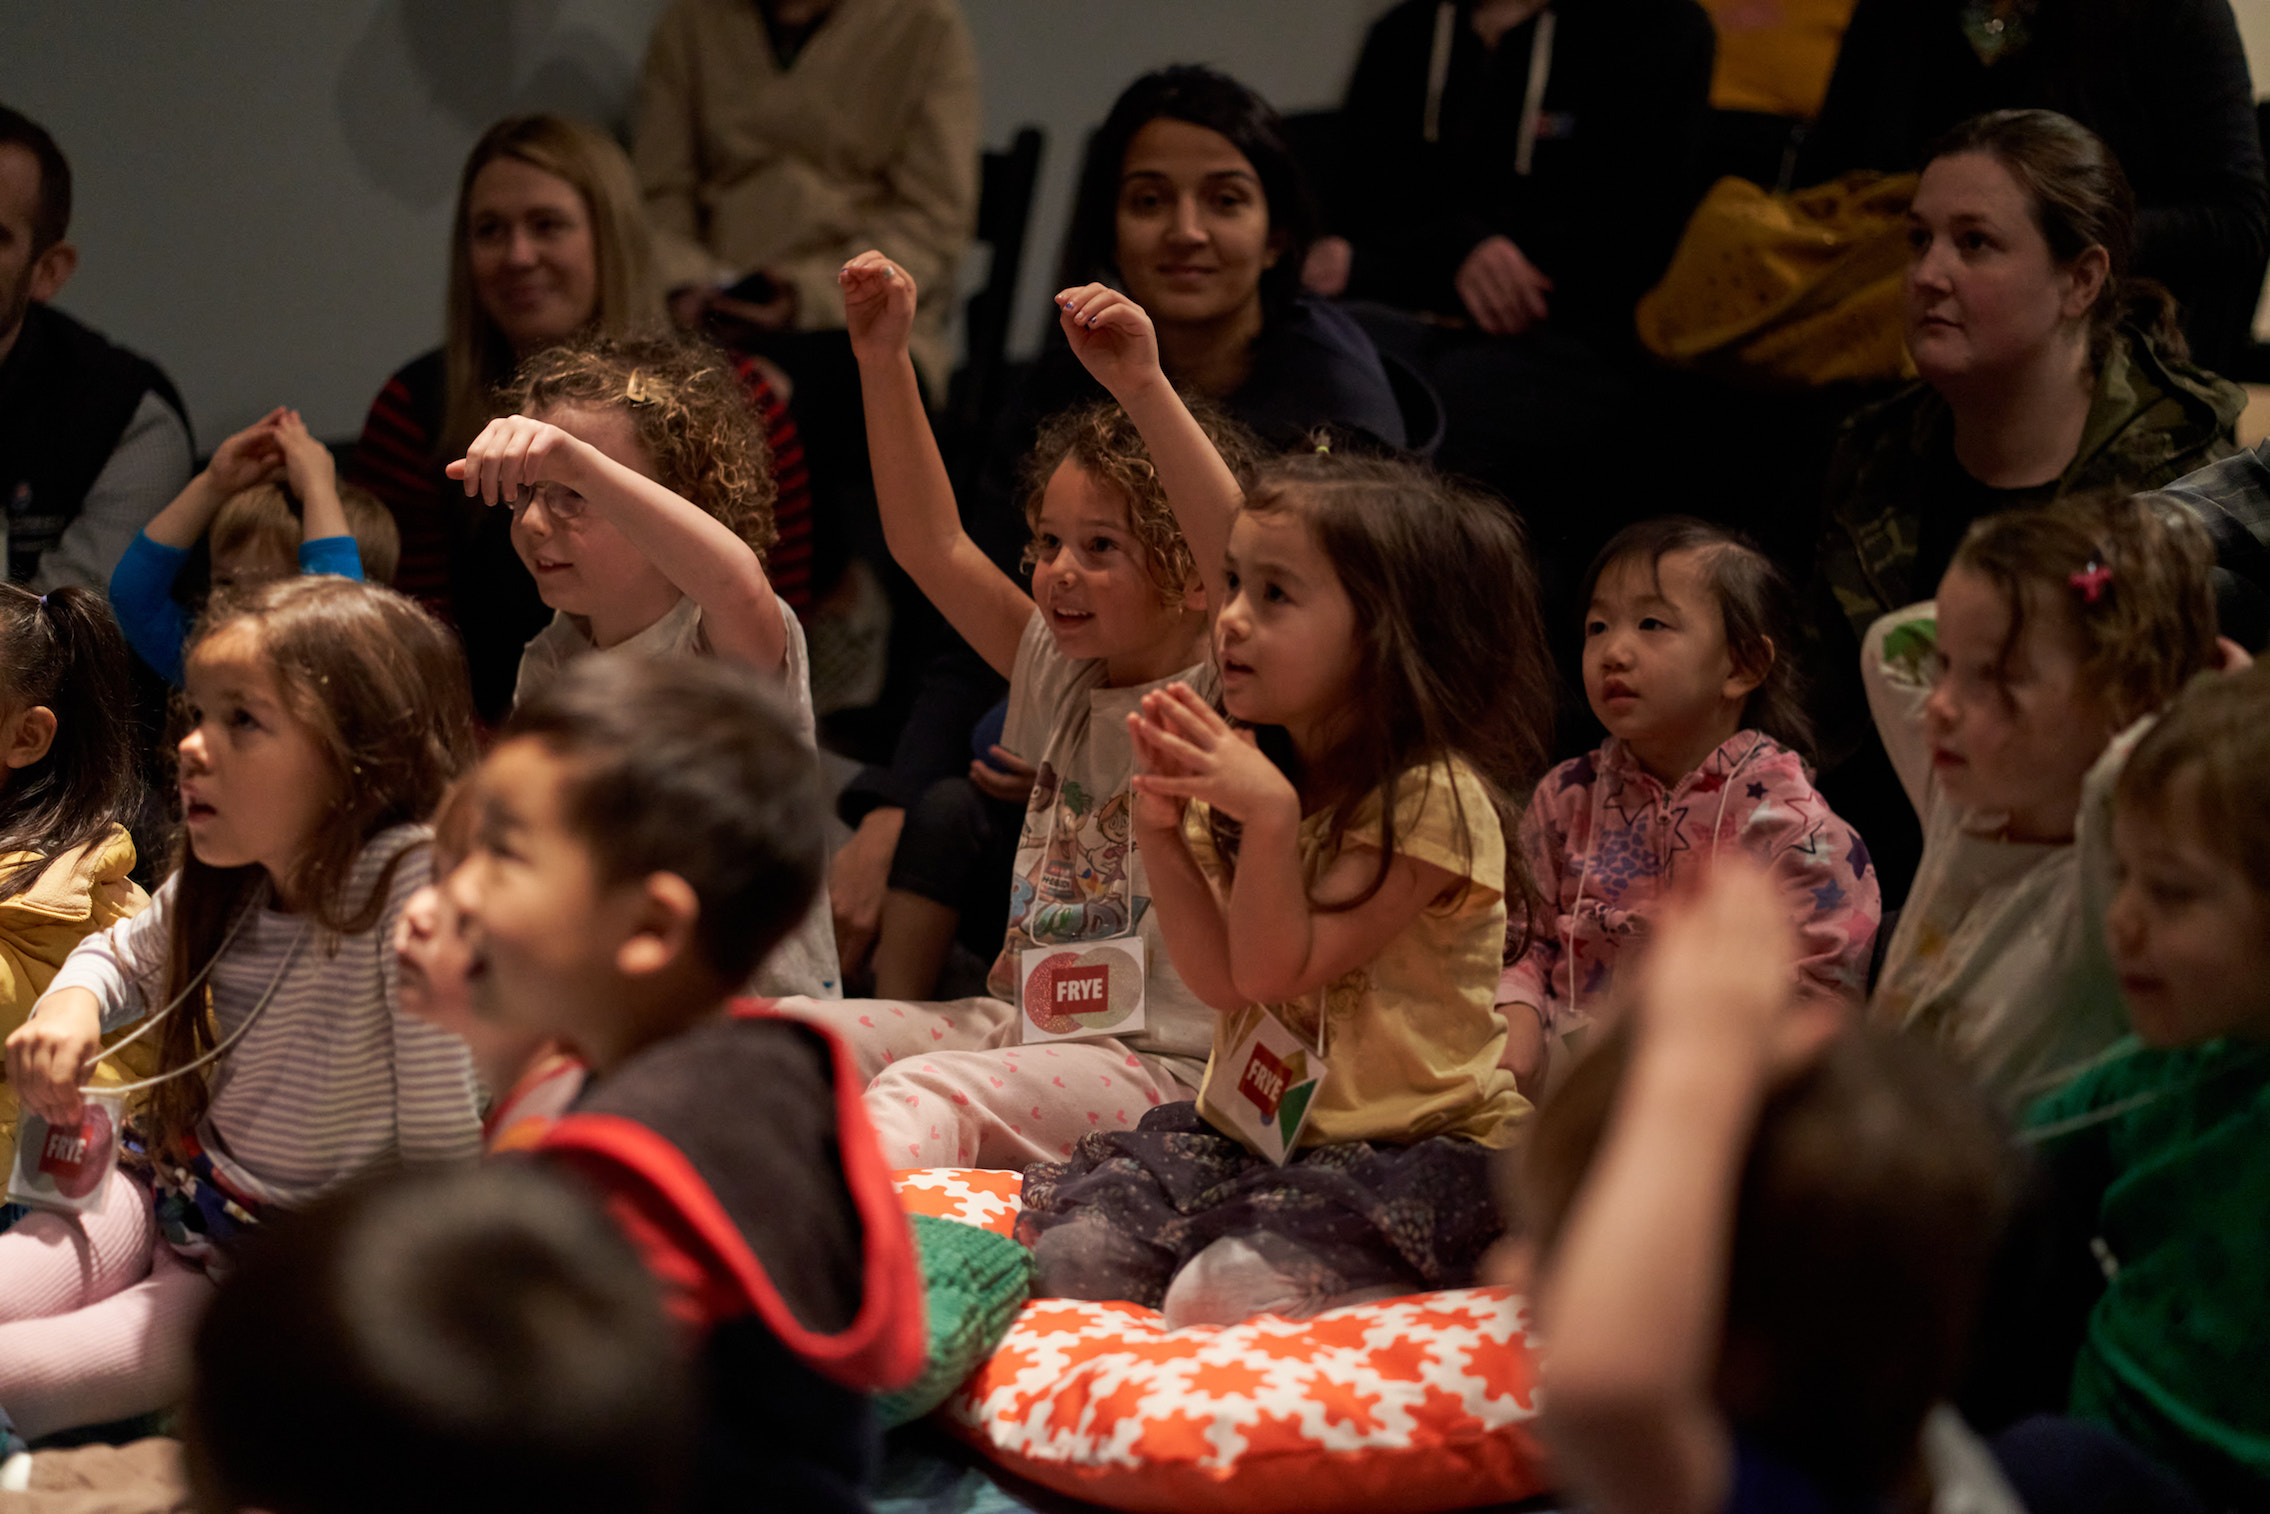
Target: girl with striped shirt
column 328, row 717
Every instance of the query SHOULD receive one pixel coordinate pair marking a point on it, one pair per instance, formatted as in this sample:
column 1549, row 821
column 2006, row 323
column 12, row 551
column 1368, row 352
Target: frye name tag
column 1090, row 988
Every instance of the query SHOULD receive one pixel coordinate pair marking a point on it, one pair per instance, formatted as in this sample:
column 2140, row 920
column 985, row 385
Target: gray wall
column 264, row 188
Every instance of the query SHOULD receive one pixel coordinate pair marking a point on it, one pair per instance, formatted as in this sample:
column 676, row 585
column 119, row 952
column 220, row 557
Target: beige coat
column 869, row 140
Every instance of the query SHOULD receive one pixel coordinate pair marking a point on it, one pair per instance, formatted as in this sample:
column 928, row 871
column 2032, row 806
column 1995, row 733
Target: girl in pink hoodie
column 1683, row 664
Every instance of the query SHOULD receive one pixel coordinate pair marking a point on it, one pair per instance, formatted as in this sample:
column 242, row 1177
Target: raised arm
column 252, row 456
column 920, row 521
column 314, row 478
column 1113, row 338
column 697, row 552
column 1634, row 1297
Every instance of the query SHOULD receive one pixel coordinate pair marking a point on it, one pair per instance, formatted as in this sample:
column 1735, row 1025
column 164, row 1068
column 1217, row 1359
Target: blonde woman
column 549, row 243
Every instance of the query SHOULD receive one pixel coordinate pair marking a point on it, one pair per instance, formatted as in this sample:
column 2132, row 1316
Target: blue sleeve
column 332, row 554
column 141, row 594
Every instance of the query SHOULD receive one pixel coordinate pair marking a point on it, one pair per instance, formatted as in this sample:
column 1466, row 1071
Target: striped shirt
column 334, row 1081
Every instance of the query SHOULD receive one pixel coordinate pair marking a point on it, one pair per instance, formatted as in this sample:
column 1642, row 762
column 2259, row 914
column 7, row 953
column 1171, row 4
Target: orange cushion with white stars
column 975, row 1196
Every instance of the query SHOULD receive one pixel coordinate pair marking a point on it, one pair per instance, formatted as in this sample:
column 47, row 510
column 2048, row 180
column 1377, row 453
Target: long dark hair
column 382, row 688
column 1203, row 97
column 2080, row 199
column 63, row 650
column 1450, row 658
column 1753, row 603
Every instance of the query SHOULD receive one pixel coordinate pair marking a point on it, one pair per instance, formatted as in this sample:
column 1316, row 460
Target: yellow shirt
column 1412, row 1038
column 81, row 892
column 1775, row 56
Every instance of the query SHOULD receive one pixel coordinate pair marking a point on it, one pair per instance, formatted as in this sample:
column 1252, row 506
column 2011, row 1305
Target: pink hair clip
column 2092, row 580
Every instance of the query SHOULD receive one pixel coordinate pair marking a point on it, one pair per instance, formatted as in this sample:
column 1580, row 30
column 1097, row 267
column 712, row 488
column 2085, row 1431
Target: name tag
column 1275, row 1084
column 1092, row 988
column 65, row 1169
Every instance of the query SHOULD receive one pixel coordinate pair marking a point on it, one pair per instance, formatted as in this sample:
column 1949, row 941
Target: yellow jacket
column 82, row 891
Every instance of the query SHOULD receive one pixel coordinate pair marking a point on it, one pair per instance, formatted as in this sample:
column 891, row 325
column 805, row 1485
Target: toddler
column 1686, row 663
column 2055, row 627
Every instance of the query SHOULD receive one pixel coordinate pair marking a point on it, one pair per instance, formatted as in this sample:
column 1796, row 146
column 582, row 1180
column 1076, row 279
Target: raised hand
column 1189, row 752
column 252, row 456
column 1112, row 338
column 878, row 306
column 514, row 454
column 1723, row 966
column 308, row 464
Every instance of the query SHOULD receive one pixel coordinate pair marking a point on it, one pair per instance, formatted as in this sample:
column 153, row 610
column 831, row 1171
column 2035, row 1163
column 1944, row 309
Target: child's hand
column 1112, row 336
column 1723, row 966
column 1193, row 754
column 250, row 457
column 878, row 306
column 307, row 462
column 1003, row 775
column 513, row 455
column 1154, row 812
column 49, row 1055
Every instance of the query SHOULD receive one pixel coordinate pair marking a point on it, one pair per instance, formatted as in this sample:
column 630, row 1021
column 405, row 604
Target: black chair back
column 1004, row 212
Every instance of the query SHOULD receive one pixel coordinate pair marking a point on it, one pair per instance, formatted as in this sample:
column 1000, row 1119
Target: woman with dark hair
column 1191, row 200
column 2164, row 82
column 2047, row 369
column 549, row 242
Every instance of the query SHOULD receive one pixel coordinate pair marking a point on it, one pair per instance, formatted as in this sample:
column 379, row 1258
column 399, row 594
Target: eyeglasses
column 561, row 503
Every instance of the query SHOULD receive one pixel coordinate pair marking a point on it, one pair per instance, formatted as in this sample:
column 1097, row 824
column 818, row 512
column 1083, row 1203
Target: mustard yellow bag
column 1788, row 290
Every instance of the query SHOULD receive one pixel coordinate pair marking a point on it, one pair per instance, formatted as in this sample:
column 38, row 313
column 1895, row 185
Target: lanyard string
column 195, row 983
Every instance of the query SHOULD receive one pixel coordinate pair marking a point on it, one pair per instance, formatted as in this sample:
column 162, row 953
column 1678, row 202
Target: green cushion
column 975, row 1282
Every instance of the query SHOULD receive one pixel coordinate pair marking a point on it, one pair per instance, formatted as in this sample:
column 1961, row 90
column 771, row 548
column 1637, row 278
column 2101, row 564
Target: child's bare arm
column 251, row 456
column 696, row 551
column 1113, row 337
column 1634, row 1298
column 313, row 477
column 1280, row 946
column 920, row 520
column 1190, row 910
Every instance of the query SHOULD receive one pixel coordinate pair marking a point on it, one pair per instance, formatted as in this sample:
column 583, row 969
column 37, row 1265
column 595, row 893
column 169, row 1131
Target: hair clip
column 637, row 391
column 1323, row 449
column 2091, row 581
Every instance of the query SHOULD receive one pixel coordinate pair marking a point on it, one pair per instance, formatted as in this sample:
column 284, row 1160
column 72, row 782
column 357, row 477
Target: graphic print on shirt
column 1079, row 889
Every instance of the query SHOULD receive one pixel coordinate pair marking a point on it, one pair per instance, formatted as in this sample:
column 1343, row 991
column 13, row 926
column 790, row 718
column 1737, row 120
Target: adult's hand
column 858, row 877
column 1003, row 775
column 1326, row 268
column 1502, row 289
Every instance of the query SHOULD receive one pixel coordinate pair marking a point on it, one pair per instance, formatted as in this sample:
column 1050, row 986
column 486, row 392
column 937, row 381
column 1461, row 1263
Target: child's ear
column 1746, row 677
column 1194, row 594
column 661, row 927
column 28, row 736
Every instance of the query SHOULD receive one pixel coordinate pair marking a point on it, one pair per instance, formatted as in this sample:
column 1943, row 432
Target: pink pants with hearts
column 951, row 1088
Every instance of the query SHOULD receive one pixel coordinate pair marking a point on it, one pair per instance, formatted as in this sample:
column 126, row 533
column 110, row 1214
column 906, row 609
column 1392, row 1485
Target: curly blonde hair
column 1104, row 442
column 686, row 409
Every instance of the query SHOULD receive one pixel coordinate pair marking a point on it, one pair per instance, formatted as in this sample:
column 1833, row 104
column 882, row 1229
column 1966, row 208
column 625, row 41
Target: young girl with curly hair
column 641, row 502
column 327, row 717
column 2056, row 629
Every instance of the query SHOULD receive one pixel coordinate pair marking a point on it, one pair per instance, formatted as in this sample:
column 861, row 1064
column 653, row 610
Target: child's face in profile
column 581, row 563
column 2011, row 736
column 1287, row 638
column 1657, row 670
column 1091, row 589
column 544, row 926
column 2189, row 934
column 255, row 783
column 433, row 956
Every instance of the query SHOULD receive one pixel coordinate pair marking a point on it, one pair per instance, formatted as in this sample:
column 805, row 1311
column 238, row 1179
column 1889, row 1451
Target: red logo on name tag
column 1082, row 988
column 1264, row 1081
column 77, row 1159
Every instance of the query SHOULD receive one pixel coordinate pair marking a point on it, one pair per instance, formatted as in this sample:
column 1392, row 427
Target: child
column 2055, row 627
column 1756, row 1260
column 1335, row 891
column 254, row 534
column 641, row 496
column 1118, row 608
column 2167, row 1139
column 531, row 1078
column 335, row 1373
column 64, row 795
column 646, row 832
column 1684, row 637
column 328, row 717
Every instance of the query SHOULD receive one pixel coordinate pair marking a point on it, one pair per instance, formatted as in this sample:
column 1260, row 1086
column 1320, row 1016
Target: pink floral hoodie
column 1604, row 838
